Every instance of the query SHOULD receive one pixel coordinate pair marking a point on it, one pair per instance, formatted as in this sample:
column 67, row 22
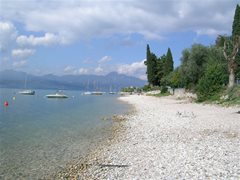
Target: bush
column 231, row 96
column 211, row 84
column 150, row 88
column 164, row 90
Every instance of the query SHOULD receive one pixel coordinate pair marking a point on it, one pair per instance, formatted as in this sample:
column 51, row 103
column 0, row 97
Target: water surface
column 38, row 136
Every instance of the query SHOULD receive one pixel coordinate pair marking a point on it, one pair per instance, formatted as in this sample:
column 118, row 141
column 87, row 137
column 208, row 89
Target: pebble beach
column 166, row 138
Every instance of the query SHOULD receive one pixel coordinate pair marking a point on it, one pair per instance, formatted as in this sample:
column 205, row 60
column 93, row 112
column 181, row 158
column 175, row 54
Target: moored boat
column 87, row 93
column 58, row 94
column 27, row 92
column 97, row 93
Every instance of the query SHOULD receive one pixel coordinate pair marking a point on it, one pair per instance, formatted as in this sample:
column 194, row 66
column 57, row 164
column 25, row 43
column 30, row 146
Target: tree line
column 207, row 70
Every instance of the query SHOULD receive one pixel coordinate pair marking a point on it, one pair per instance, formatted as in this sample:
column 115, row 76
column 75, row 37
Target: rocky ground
column 167, row 139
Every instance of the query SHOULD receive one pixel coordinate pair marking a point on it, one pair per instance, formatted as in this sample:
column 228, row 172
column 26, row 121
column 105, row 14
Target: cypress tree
column 160, row 68
column 236, row 22
column 151, row 63
column 169, row 63
column 147, row 62
column 235, row 35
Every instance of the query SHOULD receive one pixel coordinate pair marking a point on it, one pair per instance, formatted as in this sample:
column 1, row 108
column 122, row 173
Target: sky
column 100, row 36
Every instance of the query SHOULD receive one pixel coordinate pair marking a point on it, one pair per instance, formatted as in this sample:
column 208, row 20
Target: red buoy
column 5, row 103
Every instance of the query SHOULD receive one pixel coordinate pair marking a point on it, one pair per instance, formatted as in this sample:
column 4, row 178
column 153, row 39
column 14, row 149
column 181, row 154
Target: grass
column 231, row 96
column 227, row 97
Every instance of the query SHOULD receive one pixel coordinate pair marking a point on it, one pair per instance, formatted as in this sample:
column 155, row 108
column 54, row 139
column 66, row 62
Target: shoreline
column 83, row 166
column 168, row 138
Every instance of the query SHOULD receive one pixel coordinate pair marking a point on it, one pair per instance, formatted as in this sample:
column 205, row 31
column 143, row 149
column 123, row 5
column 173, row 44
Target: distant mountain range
column 110, row 82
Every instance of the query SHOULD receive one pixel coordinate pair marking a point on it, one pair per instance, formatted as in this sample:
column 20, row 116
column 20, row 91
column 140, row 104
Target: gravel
column 168, row 139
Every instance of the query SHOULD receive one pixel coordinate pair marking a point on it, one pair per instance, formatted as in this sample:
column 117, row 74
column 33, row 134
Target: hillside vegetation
column 209, row 71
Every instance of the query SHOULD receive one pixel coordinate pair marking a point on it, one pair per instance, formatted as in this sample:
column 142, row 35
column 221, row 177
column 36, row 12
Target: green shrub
column 164, row 90
column 231, row 96
column 211, row 84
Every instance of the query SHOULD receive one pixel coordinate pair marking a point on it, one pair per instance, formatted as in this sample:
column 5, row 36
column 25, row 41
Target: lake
column 39, row 136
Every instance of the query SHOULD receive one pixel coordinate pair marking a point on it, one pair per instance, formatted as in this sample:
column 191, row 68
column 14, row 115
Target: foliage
column 235, row 33
column 192, row 67
column 161, row 94
column 164, row 90
column 216, row 56
column 168, row 65
column 151, row 63
column 146, row 88
column 158, row 68
column 211, row 83
column 128, row 89
column 203, row 69
column 236, row 22
column 150, row 88
column 232, row 96
column 172, row 79
column 219, row 42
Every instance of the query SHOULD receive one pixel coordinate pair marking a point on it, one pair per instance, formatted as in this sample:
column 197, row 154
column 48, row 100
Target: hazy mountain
column 112, row 81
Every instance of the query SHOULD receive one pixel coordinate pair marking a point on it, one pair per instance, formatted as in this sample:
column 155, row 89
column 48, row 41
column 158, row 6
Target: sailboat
column 87, row 92
column 26, row 91
column 111, row 92
column 96, row 87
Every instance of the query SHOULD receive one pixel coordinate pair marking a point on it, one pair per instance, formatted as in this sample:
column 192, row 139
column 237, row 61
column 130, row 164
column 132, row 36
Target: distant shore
column 167, row 138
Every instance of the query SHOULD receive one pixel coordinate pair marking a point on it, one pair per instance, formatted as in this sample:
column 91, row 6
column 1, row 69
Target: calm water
column 38, row 136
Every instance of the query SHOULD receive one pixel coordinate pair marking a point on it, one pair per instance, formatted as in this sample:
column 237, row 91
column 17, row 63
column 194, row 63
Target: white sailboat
column 110, row 91
column 26, row 91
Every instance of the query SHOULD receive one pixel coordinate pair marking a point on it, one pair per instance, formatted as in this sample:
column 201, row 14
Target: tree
column 151, row 63
column 235, row 33
column 236, row 23
column 211, row 83
column 193, row 64
column 160, row 68
column 168, row 66
column 230, row 50
column 172, row 79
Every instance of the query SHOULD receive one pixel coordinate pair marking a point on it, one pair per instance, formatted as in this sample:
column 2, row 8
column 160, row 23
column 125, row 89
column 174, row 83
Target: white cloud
column 8, row 34
column 46, row 40
column 69, row 69
column 75, row 71
column 82, row 71
column 98, row 70
column 137, row 69
column 22, row 53
column 19, row 64
column 105, row 59
column 74, row 20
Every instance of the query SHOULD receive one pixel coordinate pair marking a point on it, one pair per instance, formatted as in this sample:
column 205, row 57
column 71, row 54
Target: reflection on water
column 39, row 135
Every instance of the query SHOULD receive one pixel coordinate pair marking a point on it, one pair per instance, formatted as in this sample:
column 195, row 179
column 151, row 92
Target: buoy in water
column 5, row 103
column 14, row 98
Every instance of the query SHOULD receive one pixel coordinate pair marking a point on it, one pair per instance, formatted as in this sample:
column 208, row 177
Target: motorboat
column 87, row 93
column 112, row 92
column 58, row 94
column 97, row 93
column 27, row 92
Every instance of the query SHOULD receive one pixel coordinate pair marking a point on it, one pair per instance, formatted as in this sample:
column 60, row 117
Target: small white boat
column 87, row 93
column 112, row 92
column 27, row 92
column 97, row 93
column 58, row 94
